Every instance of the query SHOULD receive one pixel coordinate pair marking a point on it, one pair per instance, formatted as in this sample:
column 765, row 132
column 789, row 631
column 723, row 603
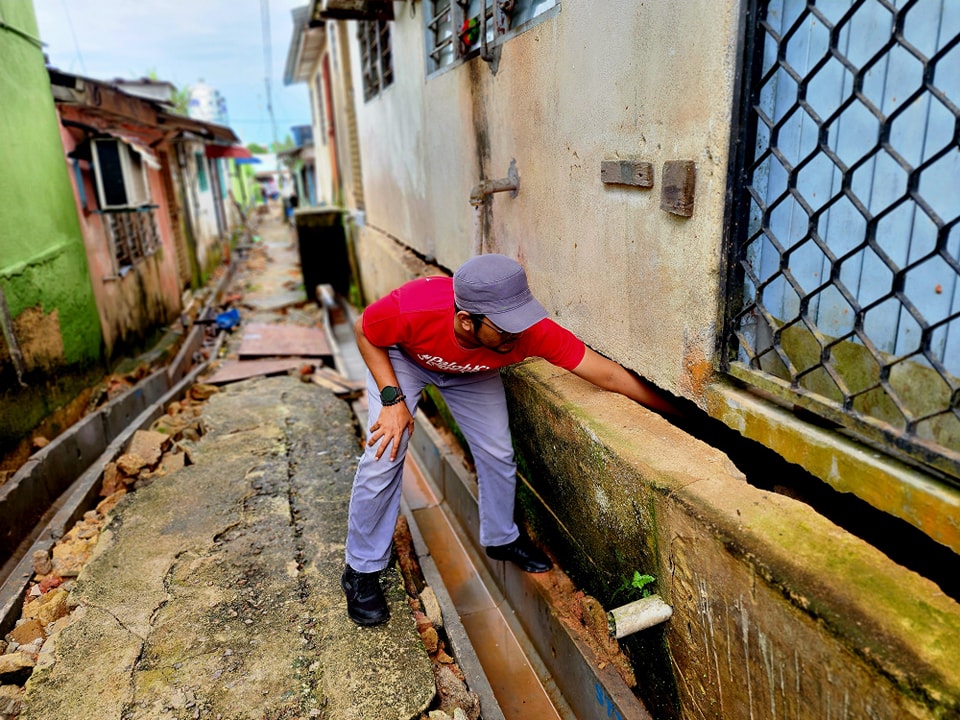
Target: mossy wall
column 777, row 612
column 43, row 266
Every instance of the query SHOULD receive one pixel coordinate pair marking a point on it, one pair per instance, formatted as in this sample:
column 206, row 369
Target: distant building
column 207, row 104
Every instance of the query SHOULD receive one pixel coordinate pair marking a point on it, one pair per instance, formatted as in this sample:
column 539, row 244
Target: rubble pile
column 150, row 454
column 454, row 701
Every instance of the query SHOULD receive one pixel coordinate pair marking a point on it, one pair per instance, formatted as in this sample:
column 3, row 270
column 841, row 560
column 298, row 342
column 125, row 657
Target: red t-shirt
column 418, row 318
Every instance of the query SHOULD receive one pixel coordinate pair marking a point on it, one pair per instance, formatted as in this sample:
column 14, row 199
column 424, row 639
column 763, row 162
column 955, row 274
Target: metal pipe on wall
column 478, row 197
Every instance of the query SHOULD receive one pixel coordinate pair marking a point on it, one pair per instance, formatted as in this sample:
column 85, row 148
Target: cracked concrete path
column 215, row 590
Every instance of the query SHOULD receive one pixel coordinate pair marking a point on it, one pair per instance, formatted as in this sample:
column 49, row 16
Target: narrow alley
column 733, row 427
column 209, row 586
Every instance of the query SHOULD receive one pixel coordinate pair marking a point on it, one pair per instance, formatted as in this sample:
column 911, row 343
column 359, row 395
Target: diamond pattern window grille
column 844, row 283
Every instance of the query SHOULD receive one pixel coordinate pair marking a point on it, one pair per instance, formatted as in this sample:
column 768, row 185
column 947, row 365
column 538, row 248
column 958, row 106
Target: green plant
column 634, row 588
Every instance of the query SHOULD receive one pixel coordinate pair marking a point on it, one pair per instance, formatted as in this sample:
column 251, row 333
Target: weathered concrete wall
column 777, row 612
column 203, row 212
column 43, row 268
column 386, row 264
column 132, row 306
column 597, row 81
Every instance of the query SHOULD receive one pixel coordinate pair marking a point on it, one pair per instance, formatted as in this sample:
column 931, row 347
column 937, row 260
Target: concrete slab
column 270, row 340
column 214, row 590
column 233, row 370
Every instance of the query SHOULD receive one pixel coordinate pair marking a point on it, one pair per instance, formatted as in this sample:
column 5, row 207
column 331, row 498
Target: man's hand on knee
column 388, row 430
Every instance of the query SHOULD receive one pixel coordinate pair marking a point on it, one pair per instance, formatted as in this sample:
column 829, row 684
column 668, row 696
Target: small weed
column 635, row 588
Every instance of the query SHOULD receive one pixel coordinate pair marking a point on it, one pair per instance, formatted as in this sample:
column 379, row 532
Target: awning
column 227, row 151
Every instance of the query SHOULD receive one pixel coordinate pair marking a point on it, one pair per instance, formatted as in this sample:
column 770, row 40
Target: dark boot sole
column 368, row 622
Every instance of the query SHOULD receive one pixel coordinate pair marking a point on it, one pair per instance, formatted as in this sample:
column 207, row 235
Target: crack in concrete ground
column 215, row 589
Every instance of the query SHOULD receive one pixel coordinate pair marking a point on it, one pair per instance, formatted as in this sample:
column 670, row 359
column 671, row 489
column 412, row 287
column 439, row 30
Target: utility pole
column 267, row 65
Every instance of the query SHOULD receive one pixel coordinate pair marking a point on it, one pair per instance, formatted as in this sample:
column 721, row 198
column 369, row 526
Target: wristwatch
column 391, row 395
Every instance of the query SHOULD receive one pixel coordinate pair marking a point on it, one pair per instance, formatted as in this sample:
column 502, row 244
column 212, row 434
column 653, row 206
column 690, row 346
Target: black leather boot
column 366, row 604
column 522, row 553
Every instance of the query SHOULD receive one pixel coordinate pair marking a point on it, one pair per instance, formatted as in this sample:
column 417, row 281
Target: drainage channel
column 499, row 662
column 60, row 482
column 49, row 472
column 535, row 662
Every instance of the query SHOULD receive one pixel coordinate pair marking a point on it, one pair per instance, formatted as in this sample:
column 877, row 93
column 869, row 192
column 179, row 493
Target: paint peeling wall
column 132, row 304
column 43, row 267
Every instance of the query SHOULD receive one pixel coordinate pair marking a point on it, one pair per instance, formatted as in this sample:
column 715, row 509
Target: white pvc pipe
column 639, row 615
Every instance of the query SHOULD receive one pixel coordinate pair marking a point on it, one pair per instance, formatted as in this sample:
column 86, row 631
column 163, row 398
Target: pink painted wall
column 133, row 306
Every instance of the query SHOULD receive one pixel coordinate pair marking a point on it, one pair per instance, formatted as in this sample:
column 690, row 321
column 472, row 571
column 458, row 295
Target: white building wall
column 202, row 202
column 597, row 81
column 323, row 167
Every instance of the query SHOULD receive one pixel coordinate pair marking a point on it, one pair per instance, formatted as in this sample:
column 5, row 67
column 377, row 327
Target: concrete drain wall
column 590, row 685
column 65, row 475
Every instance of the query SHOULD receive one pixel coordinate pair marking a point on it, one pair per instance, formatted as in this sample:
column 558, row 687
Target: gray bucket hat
column 496, row 286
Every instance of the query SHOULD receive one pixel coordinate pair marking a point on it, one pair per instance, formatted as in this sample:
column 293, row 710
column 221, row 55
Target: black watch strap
column 391, row 395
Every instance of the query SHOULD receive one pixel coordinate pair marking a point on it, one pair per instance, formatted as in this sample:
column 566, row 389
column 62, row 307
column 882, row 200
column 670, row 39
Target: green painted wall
column 244, row 185
column 43, row 266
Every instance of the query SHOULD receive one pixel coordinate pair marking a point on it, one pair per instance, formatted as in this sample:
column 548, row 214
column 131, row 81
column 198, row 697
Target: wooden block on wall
column 677, row 187
column 626, row 172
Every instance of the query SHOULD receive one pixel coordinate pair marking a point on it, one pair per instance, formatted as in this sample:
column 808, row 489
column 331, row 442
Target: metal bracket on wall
column 478, row 196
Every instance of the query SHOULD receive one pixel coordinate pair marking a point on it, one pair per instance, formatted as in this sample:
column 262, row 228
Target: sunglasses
column 502, row 333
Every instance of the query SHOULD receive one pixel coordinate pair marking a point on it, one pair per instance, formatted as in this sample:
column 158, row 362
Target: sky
column 217, row 42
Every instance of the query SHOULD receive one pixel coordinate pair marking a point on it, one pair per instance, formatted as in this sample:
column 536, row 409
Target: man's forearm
column 606, row 374
column 376, row 358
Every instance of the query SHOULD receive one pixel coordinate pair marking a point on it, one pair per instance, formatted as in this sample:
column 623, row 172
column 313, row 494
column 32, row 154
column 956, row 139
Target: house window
column 121, row 176
column 376, row 56
column 845, row 284
column 201, row 172
column 440, row 34
column 454, row 27
column 123, row 196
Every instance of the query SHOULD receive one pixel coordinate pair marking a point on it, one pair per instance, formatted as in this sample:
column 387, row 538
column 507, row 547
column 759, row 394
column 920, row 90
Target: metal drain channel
column 532, row 663
column 504, row 656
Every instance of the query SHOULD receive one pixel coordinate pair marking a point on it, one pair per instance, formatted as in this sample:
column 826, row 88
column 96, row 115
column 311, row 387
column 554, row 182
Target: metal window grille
column 386, row 53
column 454, row 27
column 844, row 290
column 134, row 234
column 376, row 56
column 440, row 34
